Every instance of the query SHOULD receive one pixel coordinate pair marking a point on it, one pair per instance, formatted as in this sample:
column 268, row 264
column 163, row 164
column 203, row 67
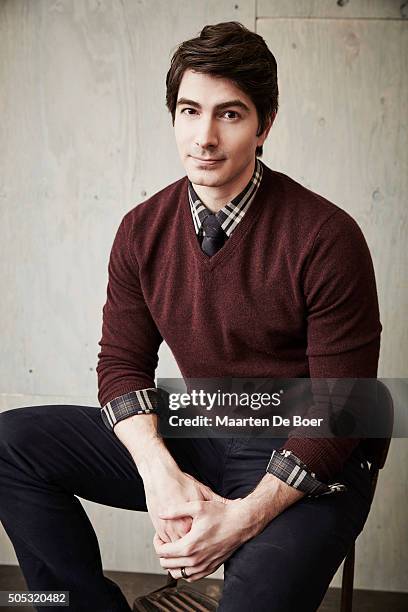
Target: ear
column 262, row 137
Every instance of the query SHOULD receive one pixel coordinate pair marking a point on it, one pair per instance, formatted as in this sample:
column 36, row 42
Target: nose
column 206, row 136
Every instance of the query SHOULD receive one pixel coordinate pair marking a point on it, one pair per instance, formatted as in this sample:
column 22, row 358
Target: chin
column 205, row 178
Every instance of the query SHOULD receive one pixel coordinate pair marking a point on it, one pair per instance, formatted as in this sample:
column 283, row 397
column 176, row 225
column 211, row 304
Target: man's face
column 215, row 120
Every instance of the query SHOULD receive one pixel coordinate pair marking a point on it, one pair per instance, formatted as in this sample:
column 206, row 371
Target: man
column 245, row 273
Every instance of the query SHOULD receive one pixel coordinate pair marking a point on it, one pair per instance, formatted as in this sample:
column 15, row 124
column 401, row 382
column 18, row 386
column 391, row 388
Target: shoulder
column 312, row 213
column 159, row 207
column 301, row 200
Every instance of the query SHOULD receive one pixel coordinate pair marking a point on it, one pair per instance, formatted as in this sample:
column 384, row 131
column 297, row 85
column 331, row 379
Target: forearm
column 140, row 436
column 271, row 497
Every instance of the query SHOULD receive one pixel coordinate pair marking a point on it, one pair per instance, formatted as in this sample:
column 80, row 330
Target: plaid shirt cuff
column 289, row 468
column 144, row 401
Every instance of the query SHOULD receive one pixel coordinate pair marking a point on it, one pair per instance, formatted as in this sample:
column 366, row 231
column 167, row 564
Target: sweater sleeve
column 130, row 339
column 343, row 327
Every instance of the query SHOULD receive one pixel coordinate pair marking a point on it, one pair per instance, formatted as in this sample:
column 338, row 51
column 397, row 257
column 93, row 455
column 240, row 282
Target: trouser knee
column 15, row 430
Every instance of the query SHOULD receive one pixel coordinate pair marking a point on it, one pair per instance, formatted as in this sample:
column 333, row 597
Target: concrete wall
column 85, row 136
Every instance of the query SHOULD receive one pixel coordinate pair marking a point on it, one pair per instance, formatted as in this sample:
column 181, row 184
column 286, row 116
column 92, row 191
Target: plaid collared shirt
column 231, row 213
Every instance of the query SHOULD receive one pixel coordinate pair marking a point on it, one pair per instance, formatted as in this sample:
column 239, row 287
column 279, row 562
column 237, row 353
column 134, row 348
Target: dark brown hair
column 231, row 51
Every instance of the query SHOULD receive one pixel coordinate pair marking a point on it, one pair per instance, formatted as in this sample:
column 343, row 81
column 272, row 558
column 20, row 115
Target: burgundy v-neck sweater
column 290, row 294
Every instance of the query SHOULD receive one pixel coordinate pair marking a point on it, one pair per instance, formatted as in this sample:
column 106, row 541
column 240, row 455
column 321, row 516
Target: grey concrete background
column 85, row 136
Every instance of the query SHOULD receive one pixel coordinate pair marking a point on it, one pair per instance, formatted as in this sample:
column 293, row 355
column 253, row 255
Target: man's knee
column 17, row 428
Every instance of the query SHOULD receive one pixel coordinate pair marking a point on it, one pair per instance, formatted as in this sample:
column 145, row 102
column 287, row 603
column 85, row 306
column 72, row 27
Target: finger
column 175, row 534
column 188, row 509
column 216, row 497
column 170, row 527
column 200, row 571
column 176, row 549
column 175, row 564
column 168, row 534
column 198, row 576
column 157, row 541
column 190, row 565
column 207, row 492
column 182, row 525
column 193, row 574
column 177, row 528
column 172, row 537
column 164, row 536
column 179, row 533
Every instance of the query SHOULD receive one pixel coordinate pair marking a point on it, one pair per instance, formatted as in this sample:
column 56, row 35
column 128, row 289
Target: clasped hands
column 196, row 529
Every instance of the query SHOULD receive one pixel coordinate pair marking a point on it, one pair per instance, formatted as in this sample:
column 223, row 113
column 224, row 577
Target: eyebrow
column 218, row 107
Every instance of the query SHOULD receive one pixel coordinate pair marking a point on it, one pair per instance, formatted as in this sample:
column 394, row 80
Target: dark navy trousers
column 50, row 454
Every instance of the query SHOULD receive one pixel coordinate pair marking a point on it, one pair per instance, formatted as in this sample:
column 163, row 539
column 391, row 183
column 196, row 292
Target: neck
column 215, row 198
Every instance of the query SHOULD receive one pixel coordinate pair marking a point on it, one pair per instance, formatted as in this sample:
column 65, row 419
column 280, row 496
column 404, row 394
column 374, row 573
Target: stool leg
column 346, row 604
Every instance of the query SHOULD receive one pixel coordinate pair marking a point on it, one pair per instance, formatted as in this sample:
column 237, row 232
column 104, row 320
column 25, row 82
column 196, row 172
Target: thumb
column 188, row 509
column 218, row 498
column 225, row 500
column 209, row 494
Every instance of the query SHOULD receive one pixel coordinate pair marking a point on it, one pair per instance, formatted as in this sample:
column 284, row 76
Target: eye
column 188, row 109
column 234, row 113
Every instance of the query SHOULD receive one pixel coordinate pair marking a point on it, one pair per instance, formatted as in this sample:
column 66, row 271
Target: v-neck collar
column 237, row 235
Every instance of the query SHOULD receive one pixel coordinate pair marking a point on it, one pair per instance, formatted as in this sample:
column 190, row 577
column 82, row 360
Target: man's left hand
column 218, row 528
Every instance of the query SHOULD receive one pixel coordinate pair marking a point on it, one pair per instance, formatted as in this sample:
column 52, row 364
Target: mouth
column 207, row 162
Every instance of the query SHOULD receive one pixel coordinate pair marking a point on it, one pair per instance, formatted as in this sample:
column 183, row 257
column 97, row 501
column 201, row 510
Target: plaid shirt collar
column 233, row 212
